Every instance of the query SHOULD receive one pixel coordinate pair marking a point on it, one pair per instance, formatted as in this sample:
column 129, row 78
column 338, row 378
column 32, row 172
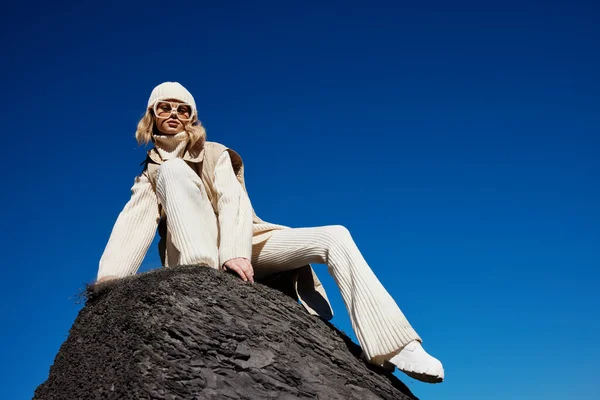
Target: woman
column 196, row 190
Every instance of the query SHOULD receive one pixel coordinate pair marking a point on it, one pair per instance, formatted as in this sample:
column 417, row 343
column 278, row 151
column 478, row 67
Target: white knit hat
column 171, row 90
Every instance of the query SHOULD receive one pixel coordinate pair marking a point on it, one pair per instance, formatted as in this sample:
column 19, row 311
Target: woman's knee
column 336, row 235
column 173, row 164
column 173, row 171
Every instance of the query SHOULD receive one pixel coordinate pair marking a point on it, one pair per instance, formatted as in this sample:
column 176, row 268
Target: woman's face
column 171, row 115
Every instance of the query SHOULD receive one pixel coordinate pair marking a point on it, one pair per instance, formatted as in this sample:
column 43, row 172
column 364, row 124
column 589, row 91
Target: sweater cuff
column 242, row 247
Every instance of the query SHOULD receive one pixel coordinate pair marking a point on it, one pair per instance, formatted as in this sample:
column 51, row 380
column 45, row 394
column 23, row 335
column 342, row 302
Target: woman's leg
column 380, row 326
column 191, row 220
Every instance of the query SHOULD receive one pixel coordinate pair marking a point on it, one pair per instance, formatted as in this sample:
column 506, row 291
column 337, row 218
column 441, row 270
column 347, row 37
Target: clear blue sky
column 458, row 141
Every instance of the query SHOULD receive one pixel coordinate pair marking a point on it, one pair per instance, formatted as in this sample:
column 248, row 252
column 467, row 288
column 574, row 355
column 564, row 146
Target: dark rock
column 191, row 332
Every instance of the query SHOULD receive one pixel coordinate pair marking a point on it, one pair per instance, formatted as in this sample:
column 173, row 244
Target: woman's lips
column 173, row 123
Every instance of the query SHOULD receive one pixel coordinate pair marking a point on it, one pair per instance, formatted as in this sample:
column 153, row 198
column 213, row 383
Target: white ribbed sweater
column 136, row 225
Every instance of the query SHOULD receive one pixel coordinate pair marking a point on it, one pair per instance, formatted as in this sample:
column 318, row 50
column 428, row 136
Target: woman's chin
column 170, row 131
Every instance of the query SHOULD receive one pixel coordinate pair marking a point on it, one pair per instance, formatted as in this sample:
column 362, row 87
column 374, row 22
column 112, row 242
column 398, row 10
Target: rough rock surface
column 196, row 333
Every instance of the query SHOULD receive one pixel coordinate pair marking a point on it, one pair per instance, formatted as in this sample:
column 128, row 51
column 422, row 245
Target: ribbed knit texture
column 235, row 213
column 171, row 146
column 191, row 221
column 200, row 236
column 380, row 326
column 132, row 233
column 136, row 225
column 171, row 90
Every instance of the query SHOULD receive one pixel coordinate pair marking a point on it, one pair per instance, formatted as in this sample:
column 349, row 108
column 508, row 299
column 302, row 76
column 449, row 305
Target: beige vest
column 301, row 284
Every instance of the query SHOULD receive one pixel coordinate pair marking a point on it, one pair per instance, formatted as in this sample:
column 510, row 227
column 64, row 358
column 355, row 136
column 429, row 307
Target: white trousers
column 378, row 322
column 379, row 325
column 191, row 221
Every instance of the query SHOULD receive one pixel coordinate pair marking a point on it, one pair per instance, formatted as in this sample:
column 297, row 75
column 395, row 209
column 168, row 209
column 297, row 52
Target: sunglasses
column 164, row 109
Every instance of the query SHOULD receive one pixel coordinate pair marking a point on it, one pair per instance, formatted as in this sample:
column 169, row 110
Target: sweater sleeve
column 132, row 233
column 235, row 213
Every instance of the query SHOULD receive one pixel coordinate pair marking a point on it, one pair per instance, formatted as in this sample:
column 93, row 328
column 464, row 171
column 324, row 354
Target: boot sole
column 421, row 376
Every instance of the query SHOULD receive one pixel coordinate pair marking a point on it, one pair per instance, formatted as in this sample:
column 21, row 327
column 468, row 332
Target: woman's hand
column 106, row 278
column 242, row 267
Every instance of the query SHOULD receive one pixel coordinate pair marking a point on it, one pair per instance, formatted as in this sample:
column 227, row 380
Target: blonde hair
column 147, row 127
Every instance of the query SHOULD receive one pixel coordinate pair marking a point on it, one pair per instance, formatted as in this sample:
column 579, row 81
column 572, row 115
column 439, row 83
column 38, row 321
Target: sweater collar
column 171, row 146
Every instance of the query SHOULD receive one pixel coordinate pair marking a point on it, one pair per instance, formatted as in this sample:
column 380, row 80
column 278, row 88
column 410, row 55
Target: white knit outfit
column 380, row 326
column 191, row 220
column 200, row 237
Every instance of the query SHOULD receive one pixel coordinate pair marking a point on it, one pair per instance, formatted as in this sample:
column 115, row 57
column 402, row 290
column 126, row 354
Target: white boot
column 414, row 361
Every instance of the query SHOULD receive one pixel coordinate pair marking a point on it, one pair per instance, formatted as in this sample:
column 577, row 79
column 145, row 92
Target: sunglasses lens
column 163, row 109
column 184, row 111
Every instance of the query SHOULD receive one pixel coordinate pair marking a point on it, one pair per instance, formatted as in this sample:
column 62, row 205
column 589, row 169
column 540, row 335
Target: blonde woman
column 193, row 191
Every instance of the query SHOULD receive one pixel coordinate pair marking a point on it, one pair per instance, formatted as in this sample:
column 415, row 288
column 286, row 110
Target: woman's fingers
column 237, row 269
column 242, row 267
column 249, row 270
column 246, row 267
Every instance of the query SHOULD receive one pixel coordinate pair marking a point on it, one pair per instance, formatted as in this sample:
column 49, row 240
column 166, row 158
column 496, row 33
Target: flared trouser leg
column 380, row 326
column 191, row 220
